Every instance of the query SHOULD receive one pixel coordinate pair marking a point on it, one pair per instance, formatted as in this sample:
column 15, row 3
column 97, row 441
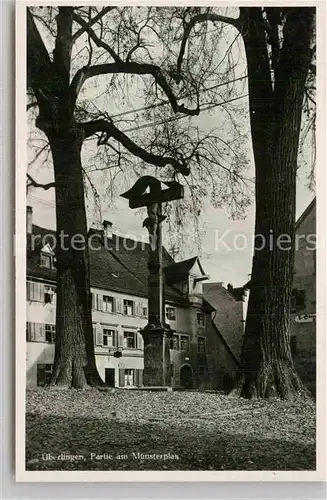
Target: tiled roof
column 120, row 265
column 237, row 293
column 306, row 212
column 178, row 271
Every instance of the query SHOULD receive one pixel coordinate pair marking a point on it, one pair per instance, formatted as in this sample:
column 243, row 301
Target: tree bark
column 74, row 363
column 275, row 111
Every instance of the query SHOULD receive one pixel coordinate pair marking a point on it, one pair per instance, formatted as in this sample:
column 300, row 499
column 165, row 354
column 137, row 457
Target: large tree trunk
column 74, row 354
column 74, row 364
column 275, row 112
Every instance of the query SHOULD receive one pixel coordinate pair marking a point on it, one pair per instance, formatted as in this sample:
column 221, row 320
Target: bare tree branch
column 130, row 68
column 96, row 40
column 33, row 183
column 190, row 25
column 96, row 18
column 109, row 130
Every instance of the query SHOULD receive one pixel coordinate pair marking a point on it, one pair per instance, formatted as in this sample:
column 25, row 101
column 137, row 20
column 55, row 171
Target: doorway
column 186, row 377
column 109, row 375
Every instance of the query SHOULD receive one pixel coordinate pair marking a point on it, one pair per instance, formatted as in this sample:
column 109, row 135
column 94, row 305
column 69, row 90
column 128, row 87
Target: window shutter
column 28, row 331
column 118, row 305
column 139, row 340
column 137, row 309
column 139, row 378
column 93, row 301
column 98, row 337
column 40, row 332
column 32, row 326
column 113, row 304
column 40, row 292
column 121, row 377
column 28, row 290
column 115, row 341
column 100, row 302
column 120, row 339
column 143, row 305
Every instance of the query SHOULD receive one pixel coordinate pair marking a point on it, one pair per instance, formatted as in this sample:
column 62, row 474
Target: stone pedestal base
column 157, row 370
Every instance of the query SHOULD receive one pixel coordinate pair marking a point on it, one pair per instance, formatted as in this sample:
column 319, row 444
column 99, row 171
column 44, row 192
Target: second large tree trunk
column 266, row 362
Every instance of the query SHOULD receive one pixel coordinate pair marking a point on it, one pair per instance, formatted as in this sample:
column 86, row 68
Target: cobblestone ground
column 138, row 430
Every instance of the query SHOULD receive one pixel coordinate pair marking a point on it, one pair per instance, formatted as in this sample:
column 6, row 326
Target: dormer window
column 47, row 257
column 171, row 313
column 200, row 319
column 46, row 261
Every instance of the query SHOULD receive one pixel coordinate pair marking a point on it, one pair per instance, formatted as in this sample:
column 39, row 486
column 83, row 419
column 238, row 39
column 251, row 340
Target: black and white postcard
column 170, row 241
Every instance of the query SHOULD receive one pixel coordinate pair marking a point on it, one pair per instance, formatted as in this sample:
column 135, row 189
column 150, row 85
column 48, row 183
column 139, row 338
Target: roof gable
column 306, row 212
column 47, row 249
column 179, row 271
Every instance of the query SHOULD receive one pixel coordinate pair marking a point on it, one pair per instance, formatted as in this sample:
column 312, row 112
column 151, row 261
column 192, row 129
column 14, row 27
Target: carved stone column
column 156, row 334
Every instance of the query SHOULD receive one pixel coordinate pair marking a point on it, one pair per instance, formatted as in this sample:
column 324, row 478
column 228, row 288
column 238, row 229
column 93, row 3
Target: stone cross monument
column 148, row 192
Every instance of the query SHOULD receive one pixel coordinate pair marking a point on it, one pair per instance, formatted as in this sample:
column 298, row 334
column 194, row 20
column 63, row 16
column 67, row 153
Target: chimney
column 107, row 228
column 29, row 219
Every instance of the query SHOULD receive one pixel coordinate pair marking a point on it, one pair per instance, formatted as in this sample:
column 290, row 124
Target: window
column 46, row 260
column 144, row 311
column 184, row 343
column 202, row 370
column 170, row 313
column 35, row 332
column 293, row 344
column 108, row 338
column 35, row 291
column 129, row 377
column 129, row 340
column 43, row 374
column 297, row 299
column 50, row 333
column 108, row 304
column 185, row 288
column 128, row 307
column 49, row 294
column 174, row 343
column 200, row 319
column 201, row 344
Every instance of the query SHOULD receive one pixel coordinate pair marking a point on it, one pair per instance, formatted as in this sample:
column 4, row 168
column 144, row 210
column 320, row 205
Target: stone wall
column 303, row 327
column 229, row 315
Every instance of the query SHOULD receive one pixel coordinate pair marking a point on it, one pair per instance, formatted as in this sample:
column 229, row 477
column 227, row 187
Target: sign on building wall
column 305, row 318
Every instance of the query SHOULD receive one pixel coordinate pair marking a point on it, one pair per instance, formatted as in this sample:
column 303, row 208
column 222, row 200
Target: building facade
column 230, row 312
column 200, row 358
column 303, row 315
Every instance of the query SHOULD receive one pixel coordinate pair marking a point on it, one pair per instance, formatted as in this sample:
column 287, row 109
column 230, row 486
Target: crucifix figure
column 148, row 192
